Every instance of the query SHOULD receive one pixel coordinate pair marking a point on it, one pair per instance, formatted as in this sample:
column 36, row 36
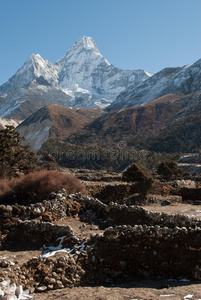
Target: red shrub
column 4, row 186
column 37, row 186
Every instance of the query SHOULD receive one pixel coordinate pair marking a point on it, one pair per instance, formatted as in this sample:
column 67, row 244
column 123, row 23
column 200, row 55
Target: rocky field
column 105, row 244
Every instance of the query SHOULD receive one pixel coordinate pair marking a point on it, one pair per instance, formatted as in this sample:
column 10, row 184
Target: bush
column 141, row 175
column 169, row 170
column 4, row 186
column 37, row 186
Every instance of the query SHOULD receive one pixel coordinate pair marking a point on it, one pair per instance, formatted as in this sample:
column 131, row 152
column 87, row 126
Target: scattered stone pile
column 41, row 273
column 59, row 267
column 10, row 291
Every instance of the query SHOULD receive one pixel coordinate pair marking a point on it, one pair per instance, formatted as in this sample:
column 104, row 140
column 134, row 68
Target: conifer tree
column 14, row 157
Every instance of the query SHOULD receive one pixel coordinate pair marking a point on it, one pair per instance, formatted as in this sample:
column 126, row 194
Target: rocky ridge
column 180, row 81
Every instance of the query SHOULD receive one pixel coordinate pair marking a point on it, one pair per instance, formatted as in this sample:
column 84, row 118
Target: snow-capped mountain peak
column 45, row 69
column 33, row 63
column 88, row 44
column 83, row 50
column 34, row 67
column 83, row 75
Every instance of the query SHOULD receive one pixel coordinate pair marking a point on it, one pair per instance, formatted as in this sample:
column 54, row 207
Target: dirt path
column 184, row 209
column 145, row 290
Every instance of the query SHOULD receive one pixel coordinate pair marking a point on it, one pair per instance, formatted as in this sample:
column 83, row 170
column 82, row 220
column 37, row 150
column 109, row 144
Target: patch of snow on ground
column 188, row 297
column 52, row 250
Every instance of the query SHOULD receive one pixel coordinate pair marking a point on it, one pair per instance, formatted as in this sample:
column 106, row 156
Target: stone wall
column 118, row 254
column 140, row 243
column 116, row 214
column 112, row 192
column 29, row 227
column 33, row 234
column 145, row 251
column 59, row 207
column 193, row 194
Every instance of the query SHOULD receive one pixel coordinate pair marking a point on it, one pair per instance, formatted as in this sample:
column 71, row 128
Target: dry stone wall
column 121, row 252
column 59, row 207
column 144, row 251
column 116, row 214
column 138, row 244
column 33, row 234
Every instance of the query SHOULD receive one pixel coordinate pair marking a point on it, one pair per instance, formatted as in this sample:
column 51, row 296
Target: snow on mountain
column 21, row 103
column 9, row 122
column 83, row 74
column 182, row 80
column 34, row 67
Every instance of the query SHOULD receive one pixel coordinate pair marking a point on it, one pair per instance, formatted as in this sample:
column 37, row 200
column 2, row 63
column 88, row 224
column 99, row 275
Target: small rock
column 41, row 288
column 59, row 284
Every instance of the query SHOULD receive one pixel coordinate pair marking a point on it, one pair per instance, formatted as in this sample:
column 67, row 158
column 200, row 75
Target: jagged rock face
column 33, row 68
column 85, row 71
column 83, row 76
column 181, row 81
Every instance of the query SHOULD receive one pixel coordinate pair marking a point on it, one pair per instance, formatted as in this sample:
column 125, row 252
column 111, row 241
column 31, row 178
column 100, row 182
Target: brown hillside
column 145, row 120
column 56, row 122
column 66, row 121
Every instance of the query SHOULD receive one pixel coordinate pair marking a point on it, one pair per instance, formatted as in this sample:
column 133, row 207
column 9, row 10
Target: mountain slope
column 183, row 133
column 83, row 77
column 170, row 123
column 21, row 103
column 181, row 81
column 56, row 122
column 125, row 124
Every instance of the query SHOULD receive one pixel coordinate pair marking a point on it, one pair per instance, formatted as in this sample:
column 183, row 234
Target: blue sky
column 130, row 34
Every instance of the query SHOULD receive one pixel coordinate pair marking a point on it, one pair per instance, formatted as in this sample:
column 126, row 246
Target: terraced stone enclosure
column 82, row 240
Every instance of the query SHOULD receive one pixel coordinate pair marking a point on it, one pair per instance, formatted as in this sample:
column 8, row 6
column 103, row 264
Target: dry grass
column 4, row 186
column 37, row 186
